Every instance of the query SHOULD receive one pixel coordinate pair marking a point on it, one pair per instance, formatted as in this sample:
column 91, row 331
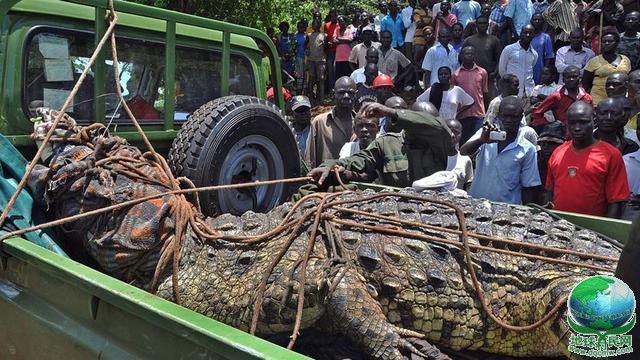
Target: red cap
column 382, row 80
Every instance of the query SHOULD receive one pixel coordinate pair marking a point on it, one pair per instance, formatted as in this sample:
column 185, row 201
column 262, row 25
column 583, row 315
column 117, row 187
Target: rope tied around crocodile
column 155, row 191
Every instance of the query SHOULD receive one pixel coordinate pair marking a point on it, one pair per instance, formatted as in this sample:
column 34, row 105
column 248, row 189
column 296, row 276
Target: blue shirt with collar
column 438, row 57
column 501, row 176
column 395, row 27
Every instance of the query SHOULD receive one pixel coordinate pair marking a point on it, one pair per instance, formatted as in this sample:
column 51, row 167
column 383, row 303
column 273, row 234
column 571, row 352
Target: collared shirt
column 540, row 7
column 358, row 76
column 545, row 90
column 501, row 176
column 395, row 27
column 475, row 82
column 562, row 15
column 520, row 11
column 497, row 18
column 390, row 62
column 326, row 138
column 426, row 17
column 632, row 164
column 407, row 22
column 519, row 62
column 566, row 57
column 438, row 57
column 301, row 138
column 359, row 53
column 558, row 102
column 466, row 11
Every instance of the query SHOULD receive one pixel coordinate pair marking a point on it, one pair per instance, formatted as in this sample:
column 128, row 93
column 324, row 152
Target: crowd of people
column 516, row 101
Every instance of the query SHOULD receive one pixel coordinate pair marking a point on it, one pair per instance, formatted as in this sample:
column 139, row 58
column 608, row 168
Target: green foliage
column 262, row 13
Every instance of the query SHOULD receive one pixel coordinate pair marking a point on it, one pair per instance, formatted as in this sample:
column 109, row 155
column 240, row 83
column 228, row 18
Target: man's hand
column 486, row 132
column 321, row 174
column 377, row 110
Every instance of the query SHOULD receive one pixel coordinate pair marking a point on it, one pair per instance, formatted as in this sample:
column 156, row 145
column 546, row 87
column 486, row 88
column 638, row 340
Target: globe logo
column 601, row 303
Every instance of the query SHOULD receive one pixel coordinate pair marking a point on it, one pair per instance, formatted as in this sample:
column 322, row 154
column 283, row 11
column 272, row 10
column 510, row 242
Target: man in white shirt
column 519, row 59
column 407, row 20
column 439, row 55
column 358, row 56
column 459, row 164
column 575, row 54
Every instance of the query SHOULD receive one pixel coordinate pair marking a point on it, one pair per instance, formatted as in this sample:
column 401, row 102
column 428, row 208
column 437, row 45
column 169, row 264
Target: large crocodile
column 376, row 287
column 395, row 283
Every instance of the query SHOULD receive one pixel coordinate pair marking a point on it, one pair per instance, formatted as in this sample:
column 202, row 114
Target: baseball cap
column 367, row 28
column 299, row 101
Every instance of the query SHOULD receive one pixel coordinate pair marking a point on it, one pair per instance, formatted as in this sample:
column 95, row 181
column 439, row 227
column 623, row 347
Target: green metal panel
column 60, row 309
column 169, row 74
column 99, row 67
column 613, row 228
column 226, row 63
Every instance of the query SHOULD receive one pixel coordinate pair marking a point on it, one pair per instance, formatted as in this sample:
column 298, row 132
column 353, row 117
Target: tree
column 261, row 14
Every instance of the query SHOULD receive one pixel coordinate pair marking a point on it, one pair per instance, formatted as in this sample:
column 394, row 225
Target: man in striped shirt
column 562, row 17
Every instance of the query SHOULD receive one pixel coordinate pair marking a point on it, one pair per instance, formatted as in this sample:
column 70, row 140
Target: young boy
column 301, row 44
column 549, row 85
column 316, row 44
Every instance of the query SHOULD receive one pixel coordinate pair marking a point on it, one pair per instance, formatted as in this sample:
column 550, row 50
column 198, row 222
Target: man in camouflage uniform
column 395, row 159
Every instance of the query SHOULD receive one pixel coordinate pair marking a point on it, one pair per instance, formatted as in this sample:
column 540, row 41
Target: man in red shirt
column 329, row 29
column 474, row 80
column 559, row 101
column 586, row 175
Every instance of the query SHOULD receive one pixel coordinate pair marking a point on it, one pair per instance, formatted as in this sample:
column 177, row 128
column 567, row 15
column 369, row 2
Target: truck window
column 54, row 63
column 56, row 59
column 198, row 79
column 141, row 71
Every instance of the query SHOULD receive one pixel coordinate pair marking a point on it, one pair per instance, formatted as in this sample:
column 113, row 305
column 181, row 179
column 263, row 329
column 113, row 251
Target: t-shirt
column 343, row 50
column 585, row 181
column 349, row 149
column 463, row 168
column 330, row 29
column 543, row 45
column 365, row 94
column 300, row 39
column 452, row 100
column 488, row 50
column 316, row 46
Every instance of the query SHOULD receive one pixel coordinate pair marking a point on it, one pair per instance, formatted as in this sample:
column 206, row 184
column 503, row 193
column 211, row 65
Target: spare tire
column 236, row 139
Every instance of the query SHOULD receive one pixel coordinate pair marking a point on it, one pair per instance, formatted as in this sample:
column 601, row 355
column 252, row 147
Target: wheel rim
column 253, row 158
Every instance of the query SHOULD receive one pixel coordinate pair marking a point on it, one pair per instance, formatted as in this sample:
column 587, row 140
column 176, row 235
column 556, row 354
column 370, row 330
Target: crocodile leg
column 355, row 313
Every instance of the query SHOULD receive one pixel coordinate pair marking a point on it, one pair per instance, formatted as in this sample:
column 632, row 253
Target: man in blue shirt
column 466, row 11
column 518, row 14
column 393, row 23
column 507, row 170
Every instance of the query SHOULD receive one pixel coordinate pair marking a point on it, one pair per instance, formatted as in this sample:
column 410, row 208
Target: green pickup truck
column 196, row 86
